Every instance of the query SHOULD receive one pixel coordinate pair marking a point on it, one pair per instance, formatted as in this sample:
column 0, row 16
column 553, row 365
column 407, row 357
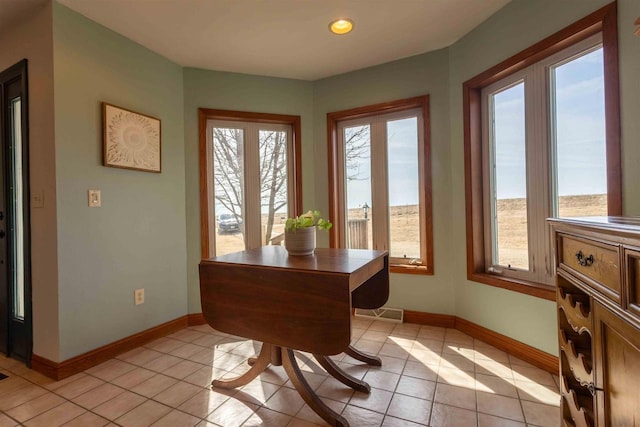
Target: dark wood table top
column 358, row 264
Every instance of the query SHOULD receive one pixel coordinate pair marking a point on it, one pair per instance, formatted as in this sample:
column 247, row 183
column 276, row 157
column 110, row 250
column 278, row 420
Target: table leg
column 363, row 357
column 342, row 376
column 257, row 367
column 276, row 357
column 293, row 371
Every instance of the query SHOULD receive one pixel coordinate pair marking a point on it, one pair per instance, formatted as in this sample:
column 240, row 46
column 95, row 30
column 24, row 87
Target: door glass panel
column 228, row 164
column 17, row 255
column 509, row 181
column 273, row 184
column 357, row 170
column 579, row 136
column 404, row 216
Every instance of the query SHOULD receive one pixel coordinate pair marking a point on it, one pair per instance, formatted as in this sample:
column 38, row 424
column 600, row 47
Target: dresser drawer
column 597, row 262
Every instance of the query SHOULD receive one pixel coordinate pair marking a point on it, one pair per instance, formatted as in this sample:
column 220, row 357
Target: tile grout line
column 11, row 418
column 67, row 400
column 394, row 392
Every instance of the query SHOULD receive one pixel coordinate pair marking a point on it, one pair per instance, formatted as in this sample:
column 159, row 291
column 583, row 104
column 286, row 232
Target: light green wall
column 240, row 92
column 137, row 239
column 515, row 27
column 440, row 74
column 418, row 75
column 147, row 233
column 32, row 38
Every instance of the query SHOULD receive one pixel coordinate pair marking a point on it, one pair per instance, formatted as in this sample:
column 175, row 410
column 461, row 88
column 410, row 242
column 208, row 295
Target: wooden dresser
column 598, row 300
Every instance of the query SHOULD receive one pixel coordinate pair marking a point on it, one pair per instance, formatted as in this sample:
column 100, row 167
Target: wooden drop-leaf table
column 294, row 303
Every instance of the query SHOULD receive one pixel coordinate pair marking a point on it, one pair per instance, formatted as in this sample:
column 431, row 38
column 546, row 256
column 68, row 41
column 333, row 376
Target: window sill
column 539, row 290
column 410, row 269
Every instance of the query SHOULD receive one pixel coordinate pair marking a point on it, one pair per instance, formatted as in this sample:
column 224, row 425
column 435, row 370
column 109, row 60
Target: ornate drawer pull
column 585, row 262
column 592, row 389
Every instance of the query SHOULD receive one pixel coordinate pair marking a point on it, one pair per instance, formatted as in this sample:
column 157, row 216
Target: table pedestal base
column 272, row 354
column 363, row 357
column 337, row 373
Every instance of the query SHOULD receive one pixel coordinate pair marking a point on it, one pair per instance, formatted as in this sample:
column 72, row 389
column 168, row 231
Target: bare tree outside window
column 357, row 170
column 228, row 146
column 273, row 177
column 380, row 154
column 249, row 179
column 229, row 175
column 356, row 148
column 228, row 169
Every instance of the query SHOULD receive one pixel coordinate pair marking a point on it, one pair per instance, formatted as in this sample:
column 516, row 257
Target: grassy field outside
column 512, row 223
column 404, row 227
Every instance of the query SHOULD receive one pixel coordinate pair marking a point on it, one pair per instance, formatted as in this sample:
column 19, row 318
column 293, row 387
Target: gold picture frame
column 131, row 140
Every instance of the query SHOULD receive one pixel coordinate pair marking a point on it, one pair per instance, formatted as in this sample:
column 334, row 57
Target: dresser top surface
column 625, row 224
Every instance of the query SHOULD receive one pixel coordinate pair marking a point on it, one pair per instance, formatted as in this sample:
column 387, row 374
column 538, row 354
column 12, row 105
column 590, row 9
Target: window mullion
column 534, row 142
column 379, row 196
column 488, row 166
column 210, row 188
column 291, row 202
column 546, row 160
column 538, row 178
column 422, row 168
column 341, row 220
column 252, row 213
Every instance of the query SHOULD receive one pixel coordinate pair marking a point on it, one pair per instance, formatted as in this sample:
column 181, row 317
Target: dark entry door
column 15, row 265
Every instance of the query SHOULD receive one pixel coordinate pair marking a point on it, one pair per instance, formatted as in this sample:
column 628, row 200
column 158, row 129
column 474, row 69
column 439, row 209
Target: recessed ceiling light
column 341, row 26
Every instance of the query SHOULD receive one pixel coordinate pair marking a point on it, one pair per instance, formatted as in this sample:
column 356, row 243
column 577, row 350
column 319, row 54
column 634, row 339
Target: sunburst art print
column 131, row 140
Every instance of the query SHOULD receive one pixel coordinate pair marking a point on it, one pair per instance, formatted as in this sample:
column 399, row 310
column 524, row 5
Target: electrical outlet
column 138, row 296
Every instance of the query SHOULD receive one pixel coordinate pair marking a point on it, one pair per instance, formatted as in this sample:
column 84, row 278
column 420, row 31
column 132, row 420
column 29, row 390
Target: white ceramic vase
column 300, row 242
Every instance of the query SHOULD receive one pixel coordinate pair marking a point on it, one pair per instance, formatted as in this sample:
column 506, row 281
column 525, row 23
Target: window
column 380, row 182
column 249, row 178
column 541, row 140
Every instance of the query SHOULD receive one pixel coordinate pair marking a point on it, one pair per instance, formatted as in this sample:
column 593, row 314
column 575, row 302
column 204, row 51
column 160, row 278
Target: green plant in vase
column 300, row 232
column 306, row 220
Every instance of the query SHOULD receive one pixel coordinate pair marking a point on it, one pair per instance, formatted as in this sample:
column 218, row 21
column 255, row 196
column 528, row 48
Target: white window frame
column 251, row 215
column 379, row 180
column 540, row 160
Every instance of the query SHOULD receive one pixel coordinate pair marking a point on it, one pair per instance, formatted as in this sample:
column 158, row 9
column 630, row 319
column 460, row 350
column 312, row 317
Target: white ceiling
column 287, row 38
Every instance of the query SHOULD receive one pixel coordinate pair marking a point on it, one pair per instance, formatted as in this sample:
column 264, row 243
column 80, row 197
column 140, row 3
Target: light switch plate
column 37, row 199
column 95, row 200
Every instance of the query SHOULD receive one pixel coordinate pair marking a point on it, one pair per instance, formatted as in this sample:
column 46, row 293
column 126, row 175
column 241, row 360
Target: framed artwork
column 130, row 140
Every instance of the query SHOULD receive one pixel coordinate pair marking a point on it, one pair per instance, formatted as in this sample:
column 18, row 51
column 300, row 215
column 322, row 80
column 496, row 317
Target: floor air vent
column 383, row 313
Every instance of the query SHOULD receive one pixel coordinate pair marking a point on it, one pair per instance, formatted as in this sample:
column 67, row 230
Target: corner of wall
column 137, row 238
column 32, row 38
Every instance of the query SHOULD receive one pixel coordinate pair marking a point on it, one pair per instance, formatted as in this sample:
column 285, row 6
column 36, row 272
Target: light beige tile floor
column 430, row 377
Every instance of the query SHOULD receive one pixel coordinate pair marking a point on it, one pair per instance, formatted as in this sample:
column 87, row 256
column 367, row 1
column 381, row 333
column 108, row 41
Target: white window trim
column 541, row 186
column 379, row 180
column 252, row 220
